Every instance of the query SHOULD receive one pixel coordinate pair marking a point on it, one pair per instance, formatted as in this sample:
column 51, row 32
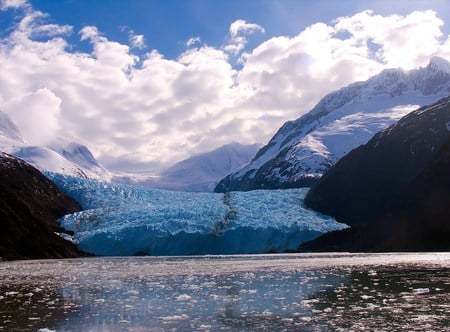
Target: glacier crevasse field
column 124, row 220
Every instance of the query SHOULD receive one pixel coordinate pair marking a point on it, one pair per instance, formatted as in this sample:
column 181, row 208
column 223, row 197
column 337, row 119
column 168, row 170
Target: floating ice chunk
column 11, row 293
column 366, row 297
column 421, row 290
column 372, row 273
column 174, row 317
column 183, row 297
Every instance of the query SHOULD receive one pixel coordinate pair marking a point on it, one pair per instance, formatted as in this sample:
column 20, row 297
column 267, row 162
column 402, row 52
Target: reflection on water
column 388, row 292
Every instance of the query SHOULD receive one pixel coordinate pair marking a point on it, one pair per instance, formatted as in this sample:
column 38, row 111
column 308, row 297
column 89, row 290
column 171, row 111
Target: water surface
column 298, row 292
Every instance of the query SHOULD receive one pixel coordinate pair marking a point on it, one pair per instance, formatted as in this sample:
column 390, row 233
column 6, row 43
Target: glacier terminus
column 124, row 220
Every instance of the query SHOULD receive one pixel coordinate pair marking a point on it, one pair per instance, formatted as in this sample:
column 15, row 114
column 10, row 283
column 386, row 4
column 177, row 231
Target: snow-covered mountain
column 199, row 173
column 203, row 171
column 393, row 191
column 302, row 150
column 60, row 156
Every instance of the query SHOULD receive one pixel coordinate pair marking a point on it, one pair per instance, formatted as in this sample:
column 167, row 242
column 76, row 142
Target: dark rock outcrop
column 394, row 191
column 29, row 207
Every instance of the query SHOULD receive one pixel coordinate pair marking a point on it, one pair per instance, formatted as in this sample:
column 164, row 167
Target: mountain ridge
column 303, row 149
column 59, row 156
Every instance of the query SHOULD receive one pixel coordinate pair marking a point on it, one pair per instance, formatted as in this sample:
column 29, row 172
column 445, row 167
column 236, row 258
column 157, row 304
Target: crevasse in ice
column 119, row 220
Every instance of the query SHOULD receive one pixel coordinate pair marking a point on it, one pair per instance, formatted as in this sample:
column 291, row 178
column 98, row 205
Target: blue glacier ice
column 122, row 220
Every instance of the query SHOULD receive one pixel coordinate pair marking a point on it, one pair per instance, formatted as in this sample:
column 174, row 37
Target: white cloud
column 242, row 27
column 192, row 41
column 108, row 53
column 135, row 40
column 144, row 114
column 8, row 4
column 90, row 33
column 416, row 33
column 238, row 30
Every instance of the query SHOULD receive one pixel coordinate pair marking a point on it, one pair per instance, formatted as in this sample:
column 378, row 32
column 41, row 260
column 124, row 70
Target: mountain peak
column 75, row 152
column 440, row 64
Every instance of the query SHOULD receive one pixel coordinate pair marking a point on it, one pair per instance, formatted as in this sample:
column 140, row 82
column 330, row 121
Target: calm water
column 299, row 292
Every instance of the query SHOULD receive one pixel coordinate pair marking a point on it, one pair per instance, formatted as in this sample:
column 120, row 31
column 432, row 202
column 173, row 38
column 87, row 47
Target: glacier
column 126, row 220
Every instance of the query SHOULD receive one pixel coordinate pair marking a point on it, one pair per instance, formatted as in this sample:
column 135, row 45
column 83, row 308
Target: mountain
column 60, row 156
column 393, row 191
column 199, row 173
column 29, row 207
column 203, row 171
column 302, row 150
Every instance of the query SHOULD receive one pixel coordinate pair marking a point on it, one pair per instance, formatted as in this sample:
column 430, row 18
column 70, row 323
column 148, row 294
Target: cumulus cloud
column 135, row 40
column 144, row 113
column 8, row 4
column 193, row 41
column 416, row 33
column 238, row 31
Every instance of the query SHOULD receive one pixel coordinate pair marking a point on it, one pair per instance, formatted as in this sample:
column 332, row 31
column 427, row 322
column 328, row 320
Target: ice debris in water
column 131, row 220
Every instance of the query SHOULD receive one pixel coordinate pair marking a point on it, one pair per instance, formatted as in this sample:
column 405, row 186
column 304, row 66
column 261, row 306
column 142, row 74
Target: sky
column 144, row 83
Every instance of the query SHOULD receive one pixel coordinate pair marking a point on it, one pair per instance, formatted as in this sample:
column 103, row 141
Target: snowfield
column 123, row 220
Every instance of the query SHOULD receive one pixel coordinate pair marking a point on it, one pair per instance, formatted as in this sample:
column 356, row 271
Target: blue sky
column 168, row 24
column 122, row 78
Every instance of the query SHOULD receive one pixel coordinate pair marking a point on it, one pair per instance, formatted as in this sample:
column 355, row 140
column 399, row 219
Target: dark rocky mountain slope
column 29, row 207
column 393, row 191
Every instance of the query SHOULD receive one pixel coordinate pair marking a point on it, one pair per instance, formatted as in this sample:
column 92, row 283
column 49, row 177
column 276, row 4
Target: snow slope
column 60, row 156
column 199, row 173
column 131, row 220
column 203, row 171
column 302, row 150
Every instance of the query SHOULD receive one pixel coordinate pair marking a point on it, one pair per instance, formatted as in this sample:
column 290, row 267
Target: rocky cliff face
column 302, row 150
column 394, row 191
column 29, row 207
